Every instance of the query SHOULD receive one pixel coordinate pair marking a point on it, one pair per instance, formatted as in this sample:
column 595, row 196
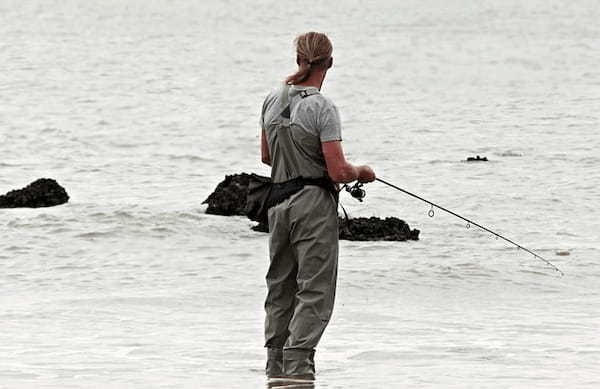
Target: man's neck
column 315, row 80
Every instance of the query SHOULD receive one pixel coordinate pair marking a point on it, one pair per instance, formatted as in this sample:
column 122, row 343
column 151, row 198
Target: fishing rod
column 359, row 193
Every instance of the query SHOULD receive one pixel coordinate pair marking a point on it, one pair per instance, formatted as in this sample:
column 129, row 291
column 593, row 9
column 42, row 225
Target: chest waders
column 303, row 248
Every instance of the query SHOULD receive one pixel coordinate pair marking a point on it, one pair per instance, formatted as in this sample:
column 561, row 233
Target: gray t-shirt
column 315, row 114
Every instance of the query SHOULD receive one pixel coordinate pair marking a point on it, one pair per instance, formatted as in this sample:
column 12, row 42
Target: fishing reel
column 356, row 191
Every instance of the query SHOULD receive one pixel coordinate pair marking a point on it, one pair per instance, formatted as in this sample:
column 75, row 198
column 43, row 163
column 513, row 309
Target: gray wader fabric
column 303, row 249
column 294, row 151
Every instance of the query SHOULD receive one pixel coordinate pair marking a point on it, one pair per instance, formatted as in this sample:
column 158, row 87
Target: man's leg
column 315, row 243
column 281, row 285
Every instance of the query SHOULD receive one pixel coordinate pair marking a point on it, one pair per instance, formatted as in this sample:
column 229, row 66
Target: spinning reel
column 356, row 191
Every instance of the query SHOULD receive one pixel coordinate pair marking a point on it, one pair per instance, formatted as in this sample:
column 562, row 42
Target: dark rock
column 229, row 198
column 368, row 229
column 374, row 228
column 477, row 159
column 44, row 192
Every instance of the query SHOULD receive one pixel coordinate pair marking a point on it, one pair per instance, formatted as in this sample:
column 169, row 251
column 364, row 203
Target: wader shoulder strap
column 284, row 139
column 285, row 101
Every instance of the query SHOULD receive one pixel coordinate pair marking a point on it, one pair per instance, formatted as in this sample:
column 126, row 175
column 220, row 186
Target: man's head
column 313, row 54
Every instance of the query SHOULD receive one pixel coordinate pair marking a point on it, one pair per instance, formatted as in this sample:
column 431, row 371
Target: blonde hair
column 313, row 50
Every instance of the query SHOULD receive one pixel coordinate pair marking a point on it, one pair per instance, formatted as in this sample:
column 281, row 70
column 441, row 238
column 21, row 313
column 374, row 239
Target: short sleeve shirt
column 315, row 113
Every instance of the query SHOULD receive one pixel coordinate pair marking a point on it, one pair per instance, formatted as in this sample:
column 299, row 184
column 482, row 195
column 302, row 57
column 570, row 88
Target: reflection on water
column 290, row 383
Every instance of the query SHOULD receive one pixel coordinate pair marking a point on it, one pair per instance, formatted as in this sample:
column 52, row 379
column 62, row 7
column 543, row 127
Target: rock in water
column 44, row 192
column 229, row 198
column 477, row 159
column 374, row 228
column 369, row 229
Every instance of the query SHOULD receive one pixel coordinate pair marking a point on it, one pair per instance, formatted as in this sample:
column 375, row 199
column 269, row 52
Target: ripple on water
column 191, row 158
column 379, row 356
column 96, row 234
column 509, row 153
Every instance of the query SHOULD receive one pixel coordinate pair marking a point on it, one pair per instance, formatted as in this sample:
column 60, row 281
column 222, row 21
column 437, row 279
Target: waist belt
column 284, row 190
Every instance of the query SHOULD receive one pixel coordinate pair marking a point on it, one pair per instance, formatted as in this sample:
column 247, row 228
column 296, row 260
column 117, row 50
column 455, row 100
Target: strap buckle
column 308, row 92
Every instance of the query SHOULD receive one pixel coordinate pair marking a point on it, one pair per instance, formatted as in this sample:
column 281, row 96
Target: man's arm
column 340, row 170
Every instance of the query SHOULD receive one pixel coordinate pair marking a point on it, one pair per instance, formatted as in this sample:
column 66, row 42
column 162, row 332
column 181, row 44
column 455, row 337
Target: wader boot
column 300, row 363
column 274, row 367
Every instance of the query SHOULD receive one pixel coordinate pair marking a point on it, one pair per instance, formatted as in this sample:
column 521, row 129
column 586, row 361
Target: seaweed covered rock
column 369, row 229
column 374, row 228
column 229, row 198
column 44, row 192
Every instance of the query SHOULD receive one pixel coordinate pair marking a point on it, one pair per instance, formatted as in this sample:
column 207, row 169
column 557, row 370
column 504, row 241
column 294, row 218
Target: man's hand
column 365, row 174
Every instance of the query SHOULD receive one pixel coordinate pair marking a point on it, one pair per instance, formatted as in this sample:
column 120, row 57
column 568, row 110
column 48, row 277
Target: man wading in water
column 301, row 141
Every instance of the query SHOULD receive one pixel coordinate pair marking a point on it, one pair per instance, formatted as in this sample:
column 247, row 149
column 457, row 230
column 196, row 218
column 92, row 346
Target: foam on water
column 139, row 109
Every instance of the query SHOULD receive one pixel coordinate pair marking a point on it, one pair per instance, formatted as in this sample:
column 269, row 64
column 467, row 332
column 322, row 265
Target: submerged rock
column 229, row 199
column 44, row 192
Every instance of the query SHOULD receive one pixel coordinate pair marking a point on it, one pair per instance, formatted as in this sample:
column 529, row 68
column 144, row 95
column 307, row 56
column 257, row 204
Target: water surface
column 140, row 108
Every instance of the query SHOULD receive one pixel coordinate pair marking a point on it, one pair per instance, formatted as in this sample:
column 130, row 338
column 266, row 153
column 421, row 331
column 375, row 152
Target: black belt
column 284, row 190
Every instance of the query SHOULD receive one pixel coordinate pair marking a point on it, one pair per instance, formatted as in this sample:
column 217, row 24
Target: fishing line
column 431, row 213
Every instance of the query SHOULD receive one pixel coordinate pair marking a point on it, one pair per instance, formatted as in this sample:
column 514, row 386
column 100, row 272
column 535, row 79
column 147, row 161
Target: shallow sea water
column 140, row 108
